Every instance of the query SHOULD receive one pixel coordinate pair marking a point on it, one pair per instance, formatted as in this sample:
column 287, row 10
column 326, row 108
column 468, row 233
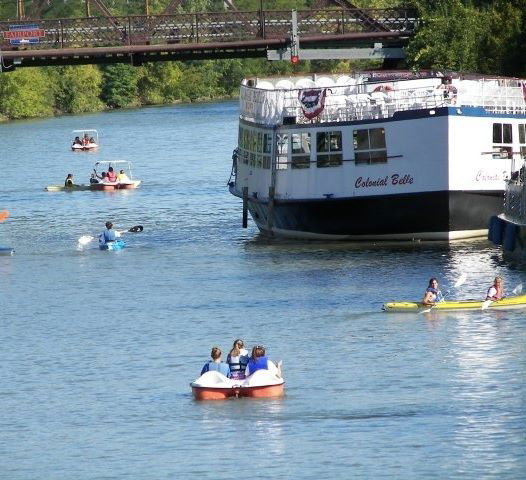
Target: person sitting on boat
column 258, row 361
column 85, row 139
column 237, row 360
column 122, row 177
column 110, row 176
column 93, row 179
column 92, row 141
column 216, row 364
column 107, row 235
column 496, row 291
column 68, row 183
column 77, row 141
column 103, row 176
column 432, row 294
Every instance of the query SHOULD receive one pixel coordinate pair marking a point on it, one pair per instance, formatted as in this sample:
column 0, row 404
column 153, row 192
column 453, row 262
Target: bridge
column 342, row 32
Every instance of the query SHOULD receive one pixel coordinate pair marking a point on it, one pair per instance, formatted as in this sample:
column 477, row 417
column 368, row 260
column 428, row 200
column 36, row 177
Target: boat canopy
column 116, row 164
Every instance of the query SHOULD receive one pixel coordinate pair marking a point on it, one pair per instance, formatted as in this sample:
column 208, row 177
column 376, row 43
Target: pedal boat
column 116, row 245
column 215, row 386
column 88, row 147
column 506, row 303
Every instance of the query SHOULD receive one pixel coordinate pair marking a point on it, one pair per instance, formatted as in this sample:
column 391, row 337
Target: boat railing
column 358, row 102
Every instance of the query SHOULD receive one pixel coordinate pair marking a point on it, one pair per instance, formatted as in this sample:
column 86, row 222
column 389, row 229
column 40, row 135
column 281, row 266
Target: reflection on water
column 98, row 348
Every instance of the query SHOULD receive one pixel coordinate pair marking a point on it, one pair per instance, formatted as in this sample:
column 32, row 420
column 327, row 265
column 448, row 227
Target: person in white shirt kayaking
column 496, row 291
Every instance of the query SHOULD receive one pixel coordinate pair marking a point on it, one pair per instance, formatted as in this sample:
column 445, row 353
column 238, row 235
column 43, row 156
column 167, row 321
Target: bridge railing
column 202, row 27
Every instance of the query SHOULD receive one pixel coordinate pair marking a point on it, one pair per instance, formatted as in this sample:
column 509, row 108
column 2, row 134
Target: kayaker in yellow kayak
column 432, row 294
column 496, row 291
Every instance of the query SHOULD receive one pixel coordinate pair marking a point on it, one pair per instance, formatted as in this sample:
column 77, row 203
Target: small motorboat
column 215, row 386
column 115, row 245
column 84, row 140
column 518, row 301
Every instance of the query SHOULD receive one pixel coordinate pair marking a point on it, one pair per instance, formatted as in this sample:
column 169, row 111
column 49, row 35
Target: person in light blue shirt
column 107, row 235
column 216, row 364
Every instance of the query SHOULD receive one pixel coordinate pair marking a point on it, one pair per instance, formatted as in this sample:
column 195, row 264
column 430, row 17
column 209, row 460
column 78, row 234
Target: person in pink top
column 110, row 176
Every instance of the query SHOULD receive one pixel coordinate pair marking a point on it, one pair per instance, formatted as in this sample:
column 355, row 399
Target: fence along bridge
column 342, row 32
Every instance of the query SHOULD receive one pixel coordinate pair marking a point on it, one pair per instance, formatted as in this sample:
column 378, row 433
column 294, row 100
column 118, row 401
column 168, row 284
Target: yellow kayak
column 518, row 301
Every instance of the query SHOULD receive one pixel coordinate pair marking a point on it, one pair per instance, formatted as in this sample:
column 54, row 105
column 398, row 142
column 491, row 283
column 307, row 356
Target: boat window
column 522, row 133
column 282, row 157
column 502, row 133
column 369, row 146
column 240, row 138
column 245, row 157
column 246, row 136
column 260, row 142
column 329, row 149
column 300, row 150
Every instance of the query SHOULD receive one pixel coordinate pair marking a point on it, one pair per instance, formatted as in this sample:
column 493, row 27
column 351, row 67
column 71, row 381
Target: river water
column 98, row 348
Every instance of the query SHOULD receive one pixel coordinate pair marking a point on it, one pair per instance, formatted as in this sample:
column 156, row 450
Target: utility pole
column 20, row 9
column 88, row 13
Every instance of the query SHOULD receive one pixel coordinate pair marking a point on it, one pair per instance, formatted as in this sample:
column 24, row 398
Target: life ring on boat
column 383, row 89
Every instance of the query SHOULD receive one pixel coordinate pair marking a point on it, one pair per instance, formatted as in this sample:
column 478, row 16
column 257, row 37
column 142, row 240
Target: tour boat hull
column 116, row 245
column 456, row 215
column 459, row 305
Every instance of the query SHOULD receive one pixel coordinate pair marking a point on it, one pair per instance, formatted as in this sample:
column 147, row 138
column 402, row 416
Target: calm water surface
column 98, row 348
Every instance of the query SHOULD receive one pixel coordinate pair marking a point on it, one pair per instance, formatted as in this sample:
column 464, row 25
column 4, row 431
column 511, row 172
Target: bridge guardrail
column 203, row 27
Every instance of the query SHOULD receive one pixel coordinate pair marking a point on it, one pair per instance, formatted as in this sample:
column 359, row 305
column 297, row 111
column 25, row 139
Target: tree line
column 476, row 36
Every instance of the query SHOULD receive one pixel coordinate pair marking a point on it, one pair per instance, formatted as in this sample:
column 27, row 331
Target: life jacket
column 260, row 363
column 237, row 365
column 437, row 294
column 111, row 177
column 498, row 292
column 212, row 366
column 107, row 236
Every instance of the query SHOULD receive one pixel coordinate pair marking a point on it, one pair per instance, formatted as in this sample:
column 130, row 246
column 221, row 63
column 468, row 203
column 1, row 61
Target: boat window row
column 328, row 152
column 503, row 137
column 255, row 147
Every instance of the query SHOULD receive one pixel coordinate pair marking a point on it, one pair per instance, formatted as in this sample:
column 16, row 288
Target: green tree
column 159, row 83
column 25, row 93
column 77, row 89
column 119, row 85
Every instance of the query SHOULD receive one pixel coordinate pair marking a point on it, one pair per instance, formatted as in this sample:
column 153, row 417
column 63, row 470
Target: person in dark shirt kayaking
column 432, row 294
column 68, row 183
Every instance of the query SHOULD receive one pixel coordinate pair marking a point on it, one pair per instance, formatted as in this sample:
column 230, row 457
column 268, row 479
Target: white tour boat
column 377, row 155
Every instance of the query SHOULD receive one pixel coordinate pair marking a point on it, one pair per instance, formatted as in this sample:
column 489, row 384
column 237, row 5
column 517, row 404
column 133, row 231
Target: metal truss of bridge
column 317, row 33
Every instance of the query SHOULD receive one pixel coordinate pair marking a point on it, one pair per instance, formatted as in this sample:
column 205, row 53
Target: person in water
column 237, row 360
column 432, row 294
column 496, row 291
column 107, row 235
column 68, row 183
column 216, row 364
column 259, row 361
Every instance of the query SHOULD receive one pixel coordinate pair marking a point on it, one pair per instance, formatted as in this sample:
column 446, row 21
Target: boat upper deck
column 372, row 95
